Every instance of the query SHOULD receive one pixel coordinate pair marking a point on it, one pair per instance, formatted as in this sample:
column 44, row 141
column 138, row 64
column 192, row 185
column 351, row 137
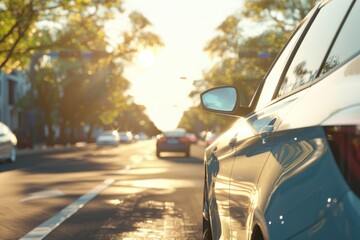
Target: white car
column 108, row 138
column 8, row 143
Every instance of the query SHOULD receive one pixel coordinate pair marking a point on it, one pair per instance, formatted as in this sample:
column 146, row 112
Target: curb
column 56, row 148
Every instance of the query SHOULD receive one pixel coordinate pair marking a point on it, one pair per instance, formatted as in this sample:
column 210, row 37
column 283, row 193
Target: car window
column 274, row 75
column 311, row 53
column 347, row 43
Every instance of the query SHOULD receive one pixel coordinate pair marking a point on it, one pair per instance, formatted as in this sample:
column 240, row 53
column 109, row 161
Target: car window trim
column 296, row 48
column 258, row 91
column 291, row 58
column 310, row 18
column 294, row 91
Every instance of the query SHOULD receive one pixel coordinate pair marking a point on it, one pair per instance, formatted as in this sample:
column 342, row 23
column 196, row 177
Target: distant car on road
column 192, row 137
column 108, row 138
column 173, row 141
column 126, row 137
column 141, row 136
column 210, row 138
column 8, row 143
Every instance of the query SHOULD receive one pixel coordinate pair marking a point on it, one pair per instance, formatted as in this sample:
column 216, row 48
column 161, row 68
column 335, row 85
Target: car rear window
column 175, row 133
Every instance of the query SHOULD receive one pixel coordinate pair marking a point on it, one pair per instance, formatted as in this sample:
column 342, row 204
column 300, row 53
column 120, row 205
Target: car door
column 253, row 143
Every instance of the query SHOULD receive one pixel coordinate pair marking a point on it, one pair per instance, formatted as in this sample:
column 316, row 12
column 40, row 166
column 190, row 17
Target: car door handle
column 266, row 131
column 232, row 142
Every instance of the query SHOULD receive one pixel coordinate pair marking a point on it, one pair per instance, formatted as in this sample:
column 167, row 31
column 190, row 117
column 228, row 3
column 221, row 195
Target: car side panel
column 252, row 153
column 302, row 145
column 299, row 182
column 217, row 183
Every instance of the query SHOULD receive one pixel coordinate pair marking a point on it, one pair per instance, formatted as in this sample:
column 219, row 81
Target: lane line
column 43, row 194
column 48, row 226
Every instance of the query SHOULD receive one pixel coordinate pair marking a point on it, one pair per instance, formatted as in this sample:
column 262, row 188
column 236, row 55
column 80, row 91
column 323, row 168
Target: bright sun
column 146, row 58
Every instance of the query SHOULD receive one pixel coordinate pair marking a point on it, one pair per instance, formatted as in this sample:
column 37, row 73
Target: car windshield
column 175, row 133
column 108, row 133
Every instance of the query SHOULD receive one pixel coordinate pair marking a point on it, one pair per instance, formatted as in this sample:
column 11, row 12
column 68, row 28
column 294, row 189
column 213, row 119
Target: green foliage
column 195, row 120
column 20, row 20
column 73, row 90
column 279, row 15
column 135, row 119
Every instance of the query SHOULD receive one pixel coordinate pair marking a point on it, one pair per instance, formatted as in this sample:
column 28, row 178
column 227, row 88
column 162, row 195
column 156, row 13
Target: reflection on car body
column 289, row 167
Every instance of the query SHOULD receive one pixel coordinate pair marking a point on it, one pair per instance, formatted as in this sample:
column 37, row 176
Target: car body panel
column 250, row 159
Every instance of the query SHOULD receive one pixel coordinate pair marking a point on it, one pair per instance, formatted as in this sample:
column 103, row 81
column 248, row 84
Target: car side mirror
column 223, row 100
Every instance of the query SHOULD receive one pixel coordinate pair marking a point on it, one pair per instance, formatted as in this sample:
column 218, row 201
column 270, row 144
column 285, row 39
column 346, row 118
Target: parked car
column 289, row 168
column 126, row 137
column 108, row 138
column 192, row 137
column 8, row 143
column 210, row 137
column 141, row 136
column 173, row 141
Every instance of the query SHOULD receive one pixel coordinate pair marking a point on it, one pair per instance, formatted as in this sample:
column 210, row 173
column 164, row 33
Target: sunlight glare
column 146, row 58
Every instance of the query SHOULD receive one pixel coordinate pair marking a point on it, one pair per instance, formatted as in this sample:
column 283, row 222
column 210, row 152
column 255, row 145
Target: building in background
column 12, row 87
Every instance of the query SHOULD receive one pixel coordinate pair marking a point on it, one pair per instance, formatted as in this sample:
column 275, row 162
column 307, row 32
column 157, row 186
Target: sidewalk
column 39, row 148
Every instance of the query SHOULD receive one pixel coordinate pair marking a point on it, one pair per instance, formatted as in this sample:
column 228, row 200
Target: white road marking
column 42, row 195
column 125, row 170
column 48, row 226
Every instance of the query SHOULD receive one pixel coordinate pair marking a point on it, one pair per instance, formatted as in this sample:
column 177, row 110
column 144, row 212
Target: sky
column 161, row 79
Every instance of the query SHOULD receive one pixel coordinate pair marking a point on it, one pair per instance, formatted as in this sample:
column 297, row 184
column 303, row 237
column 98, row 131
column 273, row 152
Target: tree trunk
column 89, row 133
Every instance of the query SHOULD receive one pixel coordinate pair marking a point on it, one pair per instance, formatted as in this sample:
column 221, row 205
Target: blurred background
column 70, row 70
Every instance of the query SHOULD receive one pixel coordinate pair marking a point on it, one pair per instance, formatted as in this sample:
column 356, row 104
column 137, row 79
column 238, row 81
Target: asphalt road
column 88, row 193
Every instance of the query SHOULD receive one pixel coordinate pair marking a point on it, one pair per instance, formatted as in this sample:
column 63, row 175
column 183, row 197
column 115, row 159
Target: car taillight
column 184, row 139
column 161, row 140
column 345, row 145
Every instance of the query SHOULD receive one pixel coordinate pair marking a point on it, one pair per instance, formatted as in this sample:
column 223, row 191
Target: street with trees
column 76, row 71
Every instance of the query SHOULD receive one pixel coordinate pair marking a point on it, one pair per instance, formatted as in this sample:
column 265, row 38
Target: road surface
column 88, row 193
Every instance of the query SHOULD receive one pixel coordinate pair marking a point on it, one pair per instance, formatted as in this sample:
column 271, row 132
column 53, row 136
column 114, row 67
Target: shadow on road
column 180, row 159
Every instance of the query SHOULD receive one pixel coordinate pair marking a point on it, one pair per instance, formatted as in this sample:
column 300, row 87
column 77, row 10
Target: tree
column 20, row 19
column 87, row 84
column 135, row 119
